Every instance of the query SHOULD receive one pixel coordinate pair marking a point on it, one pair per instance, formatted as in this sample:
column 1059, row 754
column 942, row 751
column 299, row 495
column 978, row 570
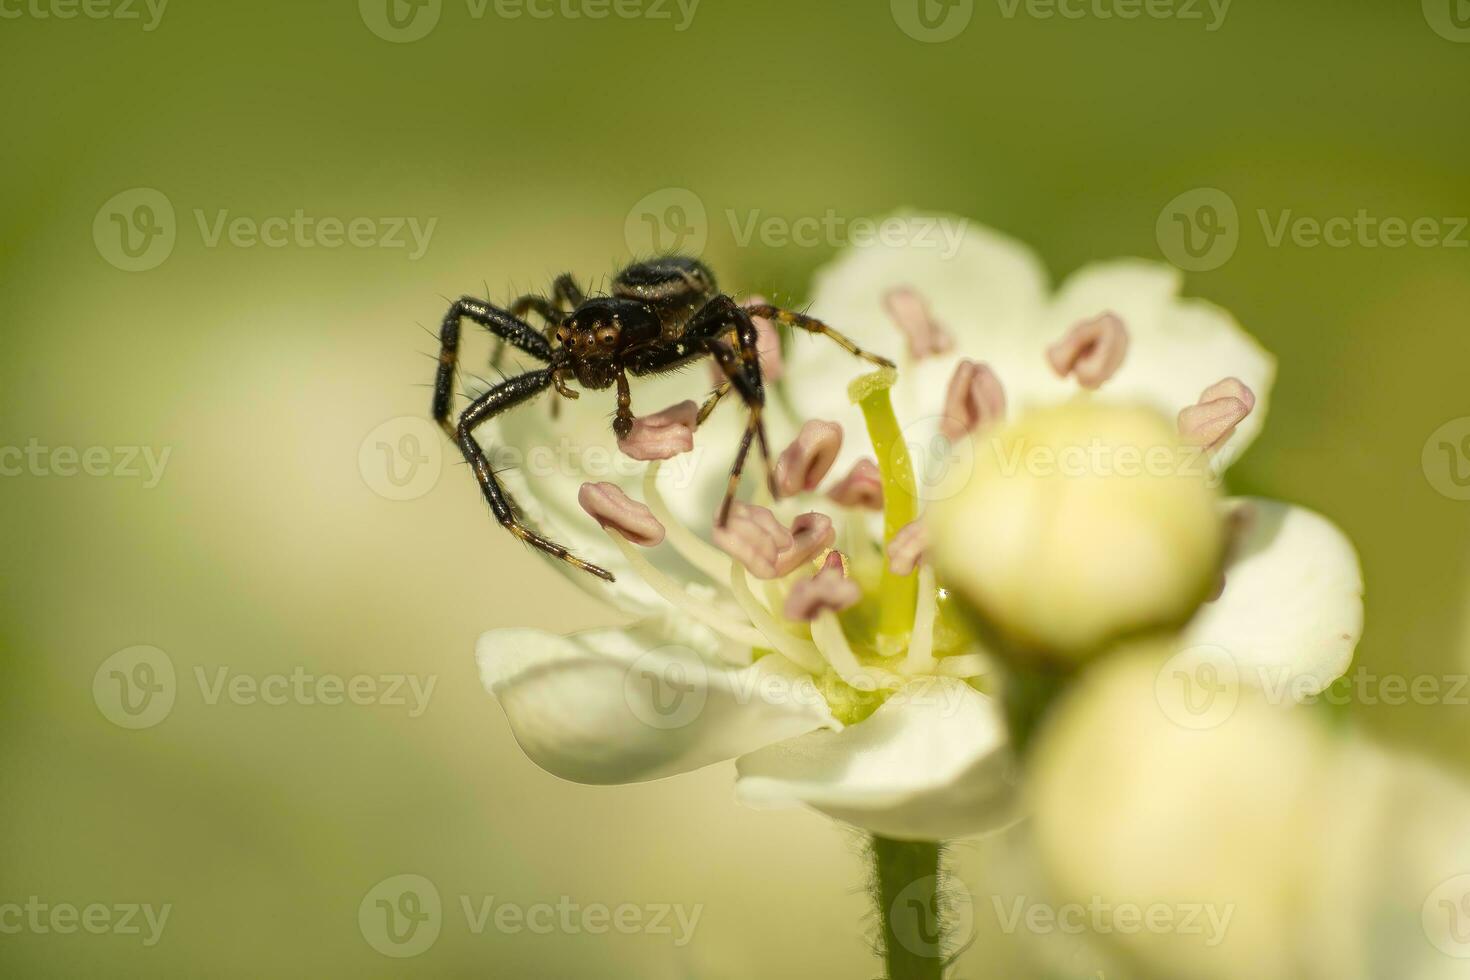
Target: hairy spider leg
column 511, row 329
column 801, row 321
column 705, row 333
column 502, row 397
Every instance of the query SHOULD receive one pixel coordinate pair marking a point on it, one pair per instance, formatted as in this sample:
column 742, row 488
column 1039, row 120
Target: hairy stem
column 910, row 908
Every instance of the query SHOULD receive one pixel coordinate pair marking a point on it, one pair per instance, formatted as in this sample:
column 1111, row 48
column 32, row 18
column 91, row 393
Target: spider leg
column 503, row 396
column 623, row 420
column 510, row 328
column 810, row 324
column 721, row 390
column 706, row 333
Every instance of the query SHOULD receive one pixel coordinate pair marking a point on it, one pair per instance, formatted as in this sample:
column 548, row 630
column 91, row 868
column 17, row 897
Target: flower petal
column 1177, row 349
column 620, row 706
column 978, row 283
column 930, row 764
column 1292, row 610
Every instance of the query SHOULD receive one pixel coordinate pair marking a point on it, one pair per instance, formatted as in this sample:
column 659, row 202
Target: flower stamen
column 614, row 510
column 862, row 488
column 1211, row 421
column 974, row 399
column 924, row 336
column 662, row 435
column 1092, row 351
column 804, row 463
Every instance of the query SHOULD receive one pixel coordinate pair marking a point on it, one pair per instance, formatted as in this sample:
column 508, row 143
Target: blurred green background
column 531, row 143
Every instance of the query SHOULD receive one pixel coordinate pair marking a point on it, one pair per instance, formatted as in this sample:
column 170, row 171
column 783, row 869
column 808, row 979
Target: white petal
column 980, row 286
column 930, row 764
column 1292, row 610
column 619, row 706
column 1177, row 347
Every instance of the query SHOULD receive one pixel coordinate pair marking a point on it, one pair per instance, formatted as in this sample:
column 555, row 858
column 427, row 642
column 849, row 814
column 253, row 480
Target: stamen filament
column 962, row 666
column 829, row 638
column 741, row 633
column 696, row 551
column 898, row 593
column 800, row 652
column 920, row 658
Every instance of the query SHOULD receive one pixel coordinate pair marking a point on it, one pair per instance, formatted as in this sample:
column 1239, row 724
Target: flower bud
column 1082, row 523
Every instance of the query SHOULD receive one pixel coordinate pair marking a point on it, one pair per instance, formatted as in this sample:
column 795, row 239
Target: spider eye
column 607, row 336
column 563, row 336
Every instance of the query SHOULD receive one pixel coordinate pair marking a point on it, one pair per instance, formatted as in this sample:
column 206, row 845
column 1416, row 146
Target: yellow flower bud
column 1082, row 523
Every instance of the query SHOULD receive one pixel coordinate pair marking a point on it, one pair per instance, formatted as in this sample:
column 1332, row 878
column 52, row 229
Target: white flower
column 875, row 713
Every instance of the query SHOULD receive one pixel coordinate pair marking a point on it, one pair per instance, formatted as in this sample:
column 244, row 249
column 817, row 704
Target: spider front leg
column 800, row 321
column 502, row 397
column 565, row 295
column 502, row 324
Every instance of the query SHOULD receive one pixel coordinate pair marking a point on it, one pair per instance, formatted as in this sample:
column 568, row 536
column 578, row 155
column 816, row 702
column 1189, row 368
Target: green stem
column 910, row 907
column 898, row 593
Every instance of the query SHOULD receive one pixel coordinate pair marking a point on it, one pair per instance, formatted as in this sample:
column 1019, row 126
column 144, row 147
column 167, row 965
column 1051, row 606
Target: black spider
column 662, row 315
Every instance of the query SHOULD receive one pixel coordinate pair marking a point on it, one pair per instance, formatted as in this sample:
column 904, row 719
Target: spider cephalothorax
column 661, row 315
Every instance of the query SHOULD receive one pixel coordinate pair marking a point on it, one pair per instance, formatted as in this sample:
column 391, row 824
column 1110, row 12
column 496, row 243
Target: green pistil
column 897, row 593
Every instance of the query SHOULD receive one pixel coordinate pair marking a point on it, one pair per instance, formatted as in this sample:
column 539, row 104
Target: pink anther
column 804, row 463
column 662, row 435
column 1091, row 352
column 924, row 336
column 612, row 508
column 974, row 399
